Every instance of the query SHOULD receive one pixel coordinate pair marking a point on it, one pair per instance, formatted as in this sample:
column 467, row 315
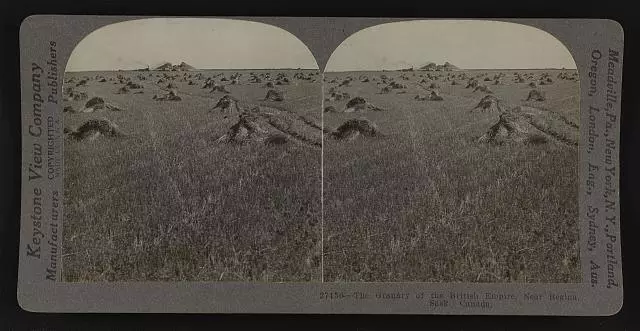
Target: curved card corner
column 615, row 25
column 616, row 308
column 24, row 301
column 27, row 21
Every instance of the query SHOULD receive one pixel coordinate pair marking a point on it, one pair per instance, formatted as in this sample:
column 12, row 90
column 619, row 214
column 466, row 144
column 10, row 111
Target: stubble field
column 167, row 201
column 425, row 200
column 434, row 189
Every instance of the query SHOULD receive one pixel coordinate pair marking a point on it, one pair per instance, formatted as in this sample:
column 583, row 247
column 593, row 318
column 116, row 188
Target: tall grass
column 428, row 203
column 422, row 202
column 168, row 203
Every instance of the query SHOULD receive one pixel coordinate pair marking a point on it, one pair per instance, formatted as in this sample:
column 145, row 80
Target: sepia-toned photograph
column 218, row 150
column 454, row 156
column 192, row 152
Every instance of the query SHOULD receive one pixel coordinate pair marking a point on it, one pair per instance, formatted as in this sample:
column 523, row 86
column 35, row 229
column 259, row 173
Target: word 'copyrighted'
column 44, row 163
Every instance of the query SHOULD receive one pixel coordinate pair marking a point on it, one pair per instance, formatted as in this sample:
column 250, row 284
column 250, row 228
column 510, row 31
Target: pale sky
column 464, row 43
column 204, row 43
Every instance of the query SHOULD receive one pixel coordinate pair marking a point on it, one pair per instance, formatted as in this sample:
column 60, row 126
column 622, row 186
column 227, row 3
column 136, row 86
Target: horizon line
column 352, row 70
column 194, row 69
column 460, row 69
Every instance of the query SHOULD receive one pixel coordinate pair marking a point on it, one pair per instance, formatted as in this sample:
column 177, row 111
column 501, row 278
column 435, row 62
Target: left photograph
column 192, row 152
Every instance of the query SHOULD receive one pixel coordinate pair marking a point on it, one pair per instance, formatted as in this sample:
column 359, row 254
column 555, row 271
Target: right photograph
column 451, row 155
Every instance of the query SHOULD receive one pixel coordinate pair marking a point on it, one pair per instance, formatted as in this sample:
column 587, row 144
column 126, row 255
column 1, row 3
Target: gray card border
column 322, row 36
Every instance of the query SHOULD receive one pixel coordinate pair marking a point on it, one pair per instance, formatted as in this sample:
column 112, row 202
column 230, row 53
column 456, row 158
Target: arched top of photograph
column 449, row 45
column 189, row 43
